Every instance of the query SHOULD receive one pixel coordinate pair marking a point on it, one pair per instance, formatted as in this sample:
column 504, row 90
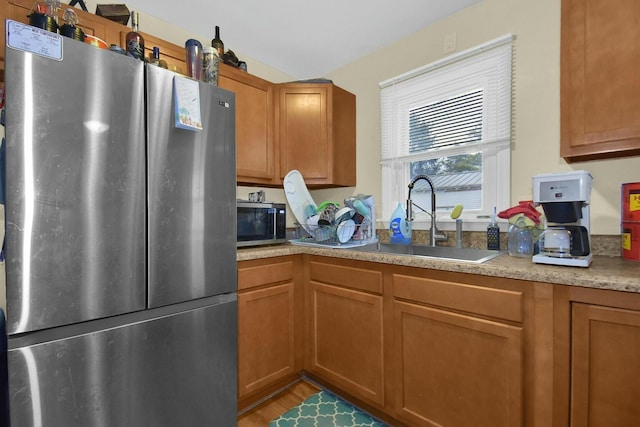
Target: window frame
column 487, row 66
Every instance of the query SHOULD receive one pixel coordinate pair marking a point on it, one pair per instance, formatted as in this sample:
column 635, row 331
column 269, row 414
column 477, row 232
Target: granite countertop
column 613, row 273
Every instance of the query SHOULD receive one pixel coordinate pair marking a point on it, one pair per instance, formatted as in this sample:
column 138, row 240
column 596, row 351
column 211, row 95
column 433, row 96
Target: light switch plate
column 449, row 43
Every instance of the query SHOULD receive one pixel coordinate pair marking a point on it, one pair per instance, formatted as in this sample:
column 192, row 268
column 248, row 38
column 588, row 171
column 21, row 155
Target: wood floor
column 260, row 415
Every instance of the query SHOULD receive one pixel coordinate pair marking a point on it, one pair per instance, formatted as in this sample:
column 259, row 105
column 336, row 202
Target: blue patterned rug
column 324, row 409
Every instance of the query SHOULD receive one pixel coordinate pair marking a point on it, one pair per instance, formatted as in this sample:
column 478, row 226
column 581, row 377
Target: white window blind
column 453, row 121
column 450, row 120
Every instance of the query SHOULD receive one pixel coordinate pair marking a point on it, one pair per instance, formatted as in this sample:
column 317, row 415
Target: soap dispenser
column 399, row 227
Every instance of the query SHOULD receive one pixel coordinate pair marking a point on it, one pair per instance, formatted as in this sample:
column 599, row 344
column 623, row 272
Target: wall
column 536, row 143
column 176, row 35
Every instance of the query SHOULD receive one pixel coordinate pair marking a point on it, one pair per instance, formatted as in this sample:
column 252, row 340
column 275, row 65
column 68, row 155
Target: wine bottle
column 135, row 41
column 155, row 59
column 217, row 43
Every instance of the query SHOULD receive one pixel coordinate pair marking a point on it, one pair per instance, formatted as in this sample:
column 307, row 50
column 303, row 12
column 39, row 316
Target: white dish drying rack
column 328, row 236
column 303, row 207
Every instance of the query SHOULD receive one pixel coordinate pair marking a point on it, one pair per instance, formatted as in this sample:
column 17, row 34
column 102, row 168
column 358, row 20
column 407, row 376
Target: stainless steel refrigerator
column 120, row 245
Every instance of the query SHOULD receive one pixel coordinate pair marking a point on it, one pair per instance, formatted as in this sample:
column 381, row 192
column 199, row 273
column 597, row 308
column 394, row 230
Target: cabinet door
column 605, row 366
column 600, row 95
column 317, row 136
column 346, row 340
column 456, row 370
column 304, row 141
column 255, row 149
column 269, row 326
column 266, row 337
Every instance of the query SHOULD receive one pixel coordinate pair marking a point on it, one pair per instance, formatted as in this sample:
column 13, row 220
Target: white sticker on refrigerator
column 187, row 103
column 35, row 40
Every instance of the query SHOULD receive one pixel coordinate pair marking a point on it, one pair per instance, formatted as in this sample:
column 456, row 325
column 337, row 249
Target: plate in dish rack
column 299, row 199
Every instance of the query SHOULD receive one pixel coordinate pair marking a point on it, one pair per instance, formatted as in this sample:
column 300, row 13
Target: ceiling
column 302, row 38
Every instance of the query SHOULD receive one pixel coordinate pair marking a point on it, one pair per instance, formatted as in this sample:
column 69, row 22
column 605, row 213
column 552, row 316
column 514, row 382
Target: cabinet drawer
column 497, row 303
column 351, row 277
column 260, row 275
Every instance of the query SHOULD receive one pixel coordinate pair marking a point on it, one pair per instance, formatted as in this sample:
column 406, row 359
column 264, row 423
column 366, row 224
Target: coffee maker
column 565, row 198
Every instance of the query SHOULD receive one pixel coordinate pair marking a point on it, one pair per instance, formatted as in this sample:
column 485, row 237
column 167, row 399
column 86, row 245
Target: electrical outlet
column 449, row 43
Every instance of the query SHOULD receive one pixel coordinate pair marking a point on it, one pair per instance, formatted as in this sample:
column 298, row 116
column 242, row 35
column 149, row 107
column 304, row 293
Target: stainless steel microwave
column 261, row 223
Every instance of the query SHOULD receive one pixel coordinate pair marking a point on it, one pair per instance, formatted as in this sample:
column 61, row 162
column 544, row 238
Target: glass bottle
column 134, row 40
column 520, row 240
column 155, row 58
column 210, row 65
column 217, row 43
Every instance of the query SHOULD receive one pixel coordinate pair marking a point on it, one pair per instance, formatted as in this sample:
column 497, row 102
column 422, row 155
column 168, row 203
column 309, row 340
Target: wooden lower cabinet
column 456, row 369
column 269, row 327
column 423, row 347
column 455, row 366
column 596, row 357
column 345, row 327
column 426, row 348
column 605, row 366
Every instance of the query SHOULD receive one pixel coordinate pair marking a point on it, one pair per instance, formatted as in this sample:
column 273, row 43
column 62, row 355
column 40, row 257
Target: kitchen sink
column 450, row 253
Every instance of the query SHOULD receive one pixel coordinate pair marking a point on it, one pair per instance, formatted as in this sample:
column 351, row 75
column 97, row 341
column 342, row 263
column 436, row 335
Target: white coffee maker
column 565, row 198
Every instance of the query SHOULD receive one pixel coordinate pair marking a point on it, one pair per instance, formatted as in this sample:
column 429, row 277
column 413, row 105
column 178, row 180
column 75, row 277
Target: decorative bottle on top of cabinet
column 217, row 43
column 135, row 41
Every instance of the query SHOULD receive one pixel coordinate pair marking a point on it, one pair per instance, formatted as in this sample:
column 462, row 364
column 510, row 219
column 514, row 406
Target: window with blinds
column 451, row 121
column 444, row 123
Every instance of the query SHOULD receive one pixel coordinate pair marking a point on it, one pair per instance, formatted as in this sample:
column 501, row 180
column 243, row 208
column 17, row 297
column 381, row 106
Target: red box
column 631, row 201
column 631, row 240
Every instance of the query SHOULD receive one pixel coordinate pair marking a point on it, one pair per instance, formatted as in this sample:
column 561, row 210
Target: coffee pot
column 565, row 199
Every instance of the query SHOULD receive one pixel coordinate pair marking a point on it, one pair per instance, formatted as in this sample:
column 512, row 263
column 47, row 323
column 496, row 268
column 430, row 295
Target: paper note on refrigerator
column 187, row 103
column 35, row 40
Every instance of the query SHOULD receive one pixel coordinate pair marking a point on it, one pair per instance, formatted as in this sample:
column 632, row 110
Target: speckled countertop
column 614, row 273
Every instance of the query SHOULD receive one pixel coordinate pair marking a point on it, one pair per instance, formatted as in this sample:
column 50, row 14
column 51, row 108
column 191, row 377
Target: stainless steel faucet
column 435, row 235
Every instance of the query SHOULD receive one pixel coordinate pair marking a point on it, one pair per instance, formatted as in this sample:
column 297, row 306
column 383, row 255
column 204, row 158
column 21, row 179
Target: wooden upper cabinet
column 600, row 89
column 317, row 133
column 255, row 147
column 18, row 10
column 172, row 53
column 305, row 126
column 109, row 31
